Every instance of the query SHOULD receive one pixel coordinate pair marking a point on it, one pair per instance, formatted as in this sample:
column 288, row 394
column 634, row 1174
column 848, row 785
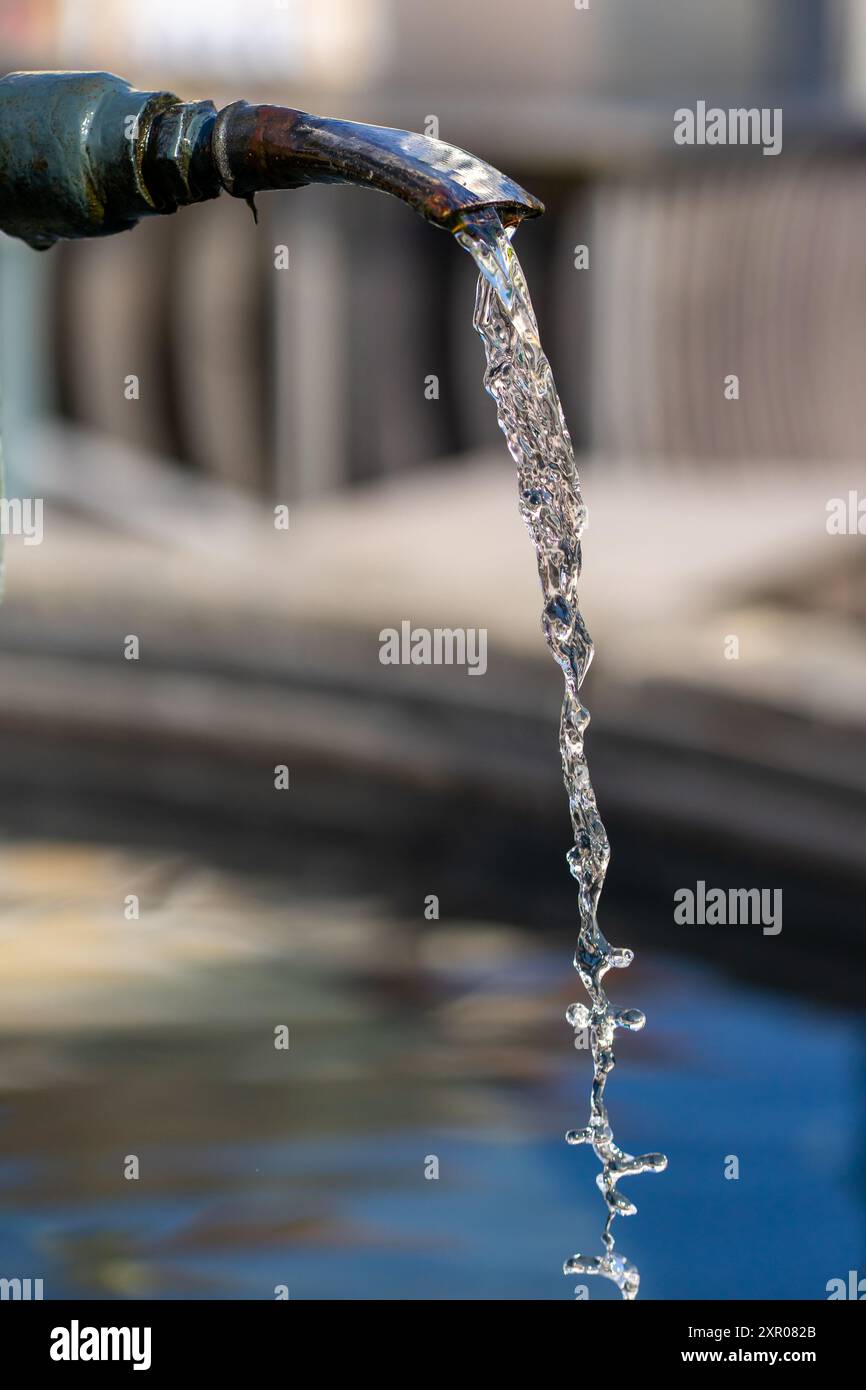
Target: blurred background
column 308, row 387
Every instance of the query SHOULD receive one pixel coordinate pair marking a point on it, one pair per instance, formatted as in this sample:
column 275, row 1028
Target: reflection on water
column 262, row 1167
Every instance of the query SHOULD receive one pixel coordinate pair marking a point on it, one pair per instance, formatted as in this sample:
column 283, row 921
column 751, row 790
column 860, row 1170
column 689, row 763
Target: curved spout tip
column 84, row 154
column 267, row 147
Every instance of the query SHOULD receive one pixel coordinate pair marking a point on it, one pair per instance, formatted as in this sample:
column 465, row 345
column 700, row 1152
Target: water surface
column 408, row 1039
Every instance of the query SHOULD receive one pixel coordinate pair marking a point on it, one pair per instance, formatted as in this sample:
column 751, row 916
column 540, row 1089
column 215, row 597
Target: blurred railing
column 359, row 360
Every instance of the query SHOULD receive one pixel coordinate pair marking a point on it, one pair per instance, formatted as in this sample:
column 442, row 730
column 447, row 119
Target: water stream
column 519, row 379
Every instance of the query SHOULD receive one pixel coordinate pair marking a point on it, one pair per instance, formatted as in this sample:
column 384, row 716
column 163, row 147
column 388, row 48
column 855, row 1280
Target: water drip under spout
column 519, row 379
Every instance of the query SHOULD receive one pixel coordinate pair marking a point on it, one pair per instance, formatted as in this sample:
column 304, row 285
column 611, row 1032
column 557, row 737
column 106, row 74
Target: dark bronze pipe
column 262, row 147
column 85, row 154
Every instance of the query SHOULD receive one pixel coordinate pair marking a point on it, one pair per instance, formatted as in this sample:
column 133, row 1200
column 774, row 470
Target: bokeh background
column 410, row 1037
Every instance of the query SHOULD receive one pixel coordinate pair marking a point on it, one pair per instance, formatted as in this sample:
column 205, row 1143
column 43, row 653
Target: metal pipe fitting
column 85, row 154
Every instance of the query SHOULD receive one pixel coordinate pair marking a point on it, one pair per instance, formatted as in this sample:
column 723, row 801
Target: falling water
column 519, row 379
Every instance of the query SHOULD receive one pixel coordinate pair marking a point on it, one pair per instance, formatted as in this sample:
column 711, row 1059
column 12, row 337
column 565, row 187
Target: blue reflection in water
column 334, row 1204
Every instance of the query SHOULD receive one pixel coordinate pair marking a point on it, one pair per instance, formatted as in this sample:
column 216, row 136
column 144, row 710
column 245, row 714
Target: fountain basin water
column 408, row 1038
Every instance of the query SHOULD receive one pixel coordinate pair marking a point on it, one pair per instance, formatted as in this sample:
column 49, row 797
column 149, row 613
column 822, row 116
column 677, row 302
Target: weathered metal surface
column 84, row 154
column 71, row 152
column 266, row 147
column 178, row 164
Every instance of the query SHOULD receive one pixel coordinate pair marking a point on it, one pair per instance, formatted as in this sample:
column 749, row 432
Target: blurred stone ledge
column 260, row 647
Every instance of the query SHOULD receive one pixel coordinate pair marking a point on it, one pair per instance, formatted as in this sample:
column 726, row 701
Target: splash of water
column 519, row 379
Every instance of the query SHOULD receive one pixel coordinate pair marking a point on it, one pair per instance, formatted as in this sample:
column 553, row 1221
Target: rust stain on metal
column 69, row 167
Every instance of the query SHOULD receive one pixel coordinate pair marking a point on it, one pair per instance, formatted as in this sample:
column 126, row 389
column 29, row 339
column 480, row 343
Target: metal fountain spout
column 83, row 154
